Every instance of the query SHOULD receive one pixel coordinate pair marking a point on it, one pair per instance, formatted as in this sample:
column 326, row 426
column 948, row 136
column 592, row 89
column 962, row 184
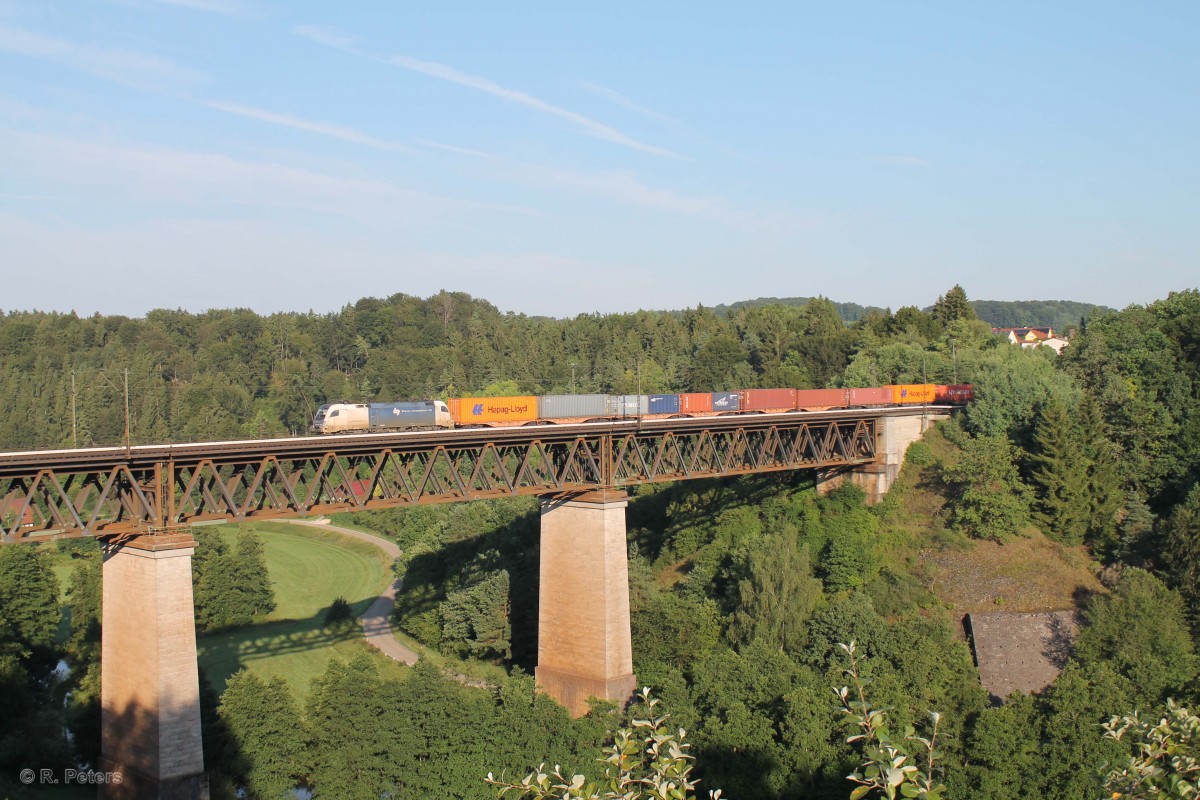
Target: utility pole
column 639, row 394
column 74, row 439
column 572, row 377
column 925, row 405
column 127, row 411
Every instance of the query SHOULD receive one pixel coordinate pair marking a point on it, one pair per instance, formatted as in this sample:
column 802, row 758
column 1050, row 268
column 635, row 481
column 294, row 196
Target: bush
column 339, row 614
column 919, row 454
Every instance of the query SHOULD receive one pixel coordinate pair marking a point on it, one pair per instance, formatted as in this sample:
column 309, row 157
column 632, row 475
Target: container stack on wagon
column 573, row 406
column 769, row 401
column 472, row 411
column 465, row 412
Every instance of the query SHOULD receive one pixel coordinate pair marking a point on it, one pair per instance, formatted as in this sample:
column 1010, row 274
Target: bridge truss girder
column 144, row 490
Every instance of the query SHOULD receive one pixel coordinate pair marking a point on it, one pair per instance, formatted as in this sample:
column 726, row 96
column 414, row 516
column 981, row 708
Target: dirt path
column 377, row 620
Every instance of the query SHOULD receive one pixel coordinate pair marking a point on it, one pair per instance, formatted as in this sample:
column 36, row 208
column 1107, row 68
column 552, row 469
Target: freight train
column 487, row 412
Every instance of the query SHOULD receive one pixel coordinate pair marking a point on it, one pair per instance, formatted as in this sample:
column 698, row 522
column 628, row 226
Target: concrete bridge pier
column 150, row 687
column 893, row 435
column 584, row 644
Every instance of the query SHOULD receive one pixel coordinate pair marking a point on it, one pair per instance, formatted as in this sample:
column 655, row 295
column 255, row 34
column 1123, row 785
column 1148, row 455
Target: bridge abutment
column 584, row 643
column 150, row 688
column 893, row 437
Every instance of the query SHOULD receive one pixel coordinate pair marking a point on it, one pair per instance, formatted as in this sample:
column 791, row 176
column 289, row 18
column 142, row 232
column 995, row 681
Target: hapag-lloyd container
column 820, row 399
column 664, row 404
column 726, row 401
column 628, row 405
column 492, row 410
column 701, row 403
column 565, row 406
column 401, row 415
column 913, row 393
column 769, row 400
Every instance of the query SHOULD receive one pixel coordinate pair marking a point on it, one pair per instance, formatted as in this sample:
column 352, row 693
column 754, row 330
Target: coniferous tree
column 351, row 727
column 85, row 594
column 230, row 587
column 263, row 722
column 1060, row 475
column 953, row 306
column 1102, row 469
column 1182, row 550
column 251, row 569
column 475, row 620
column 28, row 598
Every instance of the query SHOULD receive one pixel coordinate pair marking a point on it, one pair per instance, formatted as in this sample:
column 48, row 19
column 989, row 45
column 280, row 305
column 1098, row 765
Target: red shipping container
column 878, row 396
column 699, row 403
column 820, row 399
column 958, row 394
column 768, row 400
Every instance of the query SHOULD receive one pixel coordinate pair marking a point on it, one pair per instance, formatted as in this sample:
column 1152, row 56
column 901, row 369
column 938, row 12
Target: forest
column 741, row 590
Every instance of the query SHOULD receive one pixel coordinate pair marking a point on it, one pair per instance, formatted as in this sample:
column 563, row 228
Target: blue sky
column 559, row 158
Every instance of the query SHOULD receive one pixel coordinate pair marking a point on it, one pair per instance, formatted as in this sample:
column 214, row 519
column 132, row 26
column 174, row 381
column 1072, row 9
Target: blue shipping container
column 401, row 415
column 726, row 401
column 664, row 404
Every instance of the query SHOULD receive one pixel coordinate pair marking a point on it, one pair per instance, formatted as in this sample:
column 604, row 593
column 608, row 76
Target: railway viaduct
column 141, row 501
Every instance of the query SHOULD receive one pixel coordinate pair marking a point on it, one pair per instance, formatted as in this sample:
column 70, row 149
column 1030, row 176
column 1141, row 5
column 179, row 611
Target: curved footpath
column 377, row 620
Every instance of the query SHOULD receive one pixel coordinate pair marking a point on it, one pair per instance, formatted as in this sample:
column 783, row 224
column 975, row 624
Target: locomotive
column 488, row 412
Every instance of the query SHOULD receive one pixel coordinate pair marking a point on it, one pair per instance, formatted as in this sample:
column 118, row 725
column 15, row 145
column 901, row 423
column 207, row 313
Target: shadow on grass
column 225, row 652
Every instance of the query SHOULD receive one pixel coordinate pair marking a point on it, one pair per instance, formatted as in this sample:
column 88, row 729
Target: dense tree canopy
column 740, row 590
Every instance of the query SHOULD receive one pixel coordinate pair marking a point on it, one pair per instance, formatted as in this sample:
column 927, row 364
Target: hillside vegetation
column 1068, row 480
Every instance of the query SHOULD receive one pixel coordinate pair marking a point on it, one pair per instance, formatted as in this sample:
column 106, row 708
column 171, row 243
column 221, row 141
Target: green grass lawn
column 309, row 568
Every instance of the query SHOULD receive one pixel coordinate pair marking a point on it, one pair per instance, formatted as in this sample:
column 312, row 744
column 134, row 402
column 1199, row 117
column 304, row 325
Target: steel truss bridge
column 118, row 491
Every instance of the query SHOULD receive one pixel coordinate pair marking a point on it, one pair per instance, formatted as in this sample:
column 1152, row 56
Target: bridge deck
column 121, row 491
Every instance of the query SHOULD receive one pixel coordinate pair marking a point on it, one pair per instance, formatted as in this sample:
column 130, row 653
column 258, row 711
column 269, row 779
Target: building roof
column 1021, row 651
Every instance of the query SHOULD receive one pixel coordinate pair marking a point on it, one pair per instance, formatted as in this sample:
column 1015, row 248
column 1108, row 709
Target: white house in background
column 1033, row 337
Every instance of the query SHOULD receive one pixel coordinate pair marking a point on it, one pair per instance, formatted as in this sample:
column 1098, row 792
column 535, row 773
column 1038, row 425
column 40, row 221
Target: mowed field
column 309, row 568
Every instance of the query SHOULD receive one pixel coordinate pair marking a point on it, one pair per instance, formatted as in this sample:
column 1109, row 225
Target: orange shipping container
column 492, row 410
column 908, row 393
column 697, row 403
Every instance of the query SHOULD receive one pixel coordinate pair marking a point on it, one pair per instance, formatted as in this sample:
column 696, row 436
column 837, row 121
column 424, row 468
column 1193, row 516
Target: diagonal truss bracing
column 117, row 491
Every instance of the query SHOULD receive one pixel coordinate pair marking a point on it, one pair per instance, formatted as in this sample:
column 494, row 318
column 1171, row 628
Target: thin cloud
column 185, row 178
column 325, row 36
column 122, row 66
column 447, row 73
column 463, row 151
column 623, row 101
column 321, row 128
column 625, row 188
column 230, row 7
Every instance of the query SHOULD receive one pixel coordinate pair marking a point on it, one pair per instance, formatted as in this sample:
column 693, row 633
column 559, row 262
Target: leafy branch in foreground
column 656, row 767
column 1166, row 756
column 887, row 763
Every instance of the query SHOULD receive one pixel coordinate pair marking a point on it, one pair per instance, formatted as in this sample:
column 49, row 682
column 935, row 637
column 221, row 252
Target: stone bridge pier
column 893, row 436
column 584, row 645
column 150, row 687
